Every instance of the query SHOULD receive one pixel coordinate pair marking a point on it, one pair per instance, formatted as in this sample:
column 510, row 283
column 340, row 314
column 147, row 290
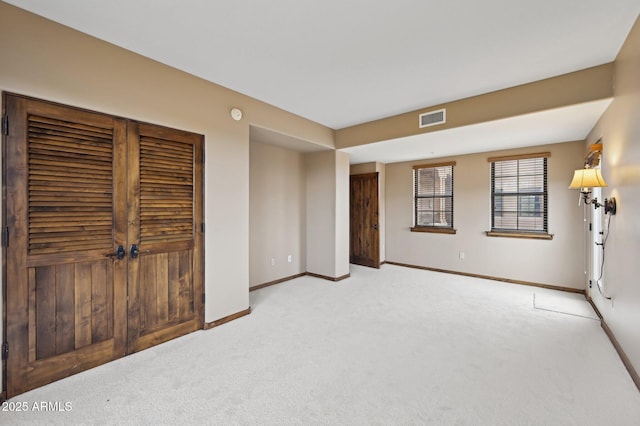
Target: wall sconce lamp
column 584, row 179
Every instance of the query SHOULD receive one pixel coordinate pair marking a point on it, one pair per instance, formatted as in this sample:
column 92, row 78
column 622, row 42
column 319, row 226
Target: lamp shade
column 587, row 178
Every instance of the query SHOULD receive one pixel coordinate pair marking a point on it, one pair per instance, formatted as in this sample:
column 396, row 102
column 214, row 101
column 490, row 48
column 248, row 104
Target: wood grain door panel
column 64, row 294
column 79, row 184
column 364, row 227
column 165, row 221
column 71, row 320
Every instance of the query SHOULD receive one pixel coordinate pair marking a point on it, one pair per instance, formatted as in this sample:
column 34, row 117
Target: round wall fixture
column 236, row 114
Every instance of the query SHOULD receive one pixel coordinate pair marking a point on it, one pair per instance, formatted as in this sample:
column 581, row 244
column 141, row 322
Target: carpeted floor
column 394, row 346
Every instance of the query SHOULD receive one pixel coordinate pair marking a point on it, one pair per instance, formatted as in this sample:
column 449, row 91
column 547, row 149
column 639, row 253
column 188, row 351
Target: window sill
column 433, row 230
column 531, row 235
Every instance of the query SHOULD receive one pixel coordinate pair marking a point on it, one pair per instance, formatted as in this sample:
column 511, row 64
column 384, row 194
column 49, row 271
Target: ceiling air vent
column 433, row 117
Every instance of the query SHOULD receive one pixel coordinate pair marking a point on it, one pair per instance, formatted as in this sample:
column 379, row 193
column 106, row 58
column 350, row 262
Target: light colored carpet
column 564, row 303
column 394, row 346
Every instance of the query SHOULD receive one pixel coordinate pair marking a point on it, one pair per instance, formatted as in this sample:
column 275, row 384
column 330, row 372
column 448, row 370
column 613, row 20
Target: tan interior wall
column 569, row 89
column 619, row 129
column 277, row 213
column 49, row 61
column 327, row 213
column 341, row 196
column 556, row 262
column 321, row 212
column 46, row 60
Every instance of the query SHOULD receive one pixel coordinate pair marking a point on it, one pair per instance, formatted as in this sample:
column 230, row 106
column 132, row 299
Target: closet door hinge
column 5, row 350
column 5, row 237
column 203, row 298
column 5, row 125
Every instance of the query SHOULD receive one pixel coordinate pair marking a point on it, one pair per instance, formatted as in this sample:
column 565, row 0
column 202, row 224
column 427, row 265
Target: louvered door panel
column 165, row 288
column 79, row 185
column 166, row 190
column 70, row 186
column 66, row 212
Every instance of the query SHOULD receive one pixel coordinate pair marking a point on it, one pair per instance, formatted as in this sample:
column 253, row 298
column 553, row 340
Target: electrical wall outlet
column 289, row 258
column 461, row 255
column 273, row 262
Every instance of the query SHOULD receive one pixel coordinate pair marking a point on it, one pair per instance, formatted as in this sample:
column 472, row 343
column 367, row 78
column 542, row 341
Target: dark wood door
column 104, row 224
column 165, row 225
column 364, row 226
column 65, row 292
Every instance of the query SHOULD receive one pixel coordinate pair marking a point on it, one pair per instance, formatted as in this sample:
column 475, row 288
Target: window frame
column 449, row 229
column 536, row 198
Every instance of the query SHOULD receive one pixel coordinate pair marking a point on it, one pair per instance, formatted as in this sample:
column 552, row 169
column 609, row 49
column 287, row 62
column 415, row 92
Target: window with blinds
column 519, row 199
column 433, row 197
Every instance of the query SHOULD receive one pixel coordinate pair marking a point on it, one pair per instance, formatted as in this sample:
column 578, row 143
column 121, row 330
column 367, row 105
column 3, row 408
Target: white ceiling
column 344, row 62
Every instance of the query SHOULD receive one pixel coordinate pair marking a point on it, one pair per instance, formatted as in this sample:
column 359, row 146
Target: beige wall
column 341, row 250
column 327, row 213
column 49, row 61
column 619, row 128
column 569, row 89
column 277, row 213
column 553, row 262
column 299, row 206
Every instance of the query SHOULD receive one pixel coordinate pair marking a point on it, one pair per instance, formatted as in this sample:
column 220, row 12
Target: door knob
column 135, row 251
column 119, row 254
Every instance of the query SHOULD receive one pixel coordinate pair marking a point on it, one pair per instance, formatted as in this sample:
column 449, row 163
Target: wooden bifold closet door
column 164, row 300
column 103, row 235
